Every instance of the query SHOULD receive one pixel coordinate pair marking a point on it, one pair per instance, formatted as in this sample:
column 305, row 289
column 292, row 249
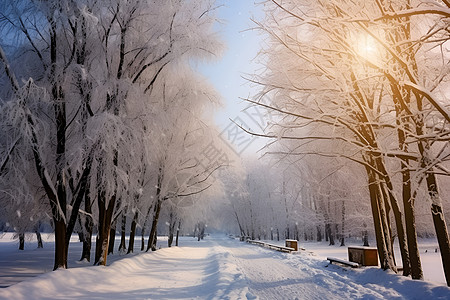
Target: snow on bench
column 280, row 248
column 343, row 262
column 256, row 242
column 271, row 246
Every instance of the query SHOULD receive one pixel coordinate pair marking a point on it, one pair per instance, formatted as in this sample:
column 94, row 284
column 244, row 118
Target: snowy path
column 274, row 275
column 221, row 268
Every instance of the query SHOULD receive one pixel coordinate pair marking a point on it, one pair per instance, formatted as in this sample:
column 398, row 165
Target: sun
column 367, row 46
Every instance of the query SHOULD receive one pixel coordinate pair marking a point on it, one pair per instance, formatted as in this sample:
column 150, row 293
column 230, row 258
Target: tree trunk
column 38, row 235
column 39, row 240
column 330, row 235
column 170, row 239
column 439, row 224
column 410, row 221
column 144, row 227
column 365, row 236
column 412, row 265
column 142, row 239
column 88, row 226
column 241, row 229
column 172, row 224
column 122, row 245
column 385, row 213
column 21, row 241
column 60, row 203
column 178, row 233
column 319, row 233
column 87, row 245
column 201, row 231
column 402, row 238
column 297, row 237
column 78, row 198
column 60, row 245
column 132, row 233
column 385, row 223
column 105, row 214
column 112, row 239
column 154, row 230
column 104, row 228
column 384, row 255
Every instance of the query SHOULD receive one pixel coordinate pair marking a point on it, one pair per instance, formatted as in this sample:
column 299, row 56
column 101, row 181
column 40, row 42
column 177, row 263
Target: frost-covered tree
column 184, row 139
column 85, row 111
column 337, row 72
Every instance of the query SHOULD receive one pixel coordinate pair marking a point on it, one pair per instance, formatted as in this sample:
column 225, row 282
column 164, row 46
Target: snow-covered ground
column 216, row 268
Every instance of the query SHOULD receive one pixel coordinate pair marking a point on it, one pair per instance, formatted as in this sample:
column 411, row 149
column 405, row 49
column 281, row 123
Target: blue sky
column 242, row 46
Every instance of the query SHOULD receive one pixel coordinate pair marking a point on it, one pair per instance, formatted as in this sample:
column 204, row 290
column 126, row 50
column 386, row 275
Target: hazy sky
column 242, row 46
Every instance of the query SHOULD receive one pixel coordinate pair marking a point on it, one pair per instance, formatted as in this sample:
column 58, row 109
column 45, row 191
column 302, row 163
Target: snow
column 216, row 268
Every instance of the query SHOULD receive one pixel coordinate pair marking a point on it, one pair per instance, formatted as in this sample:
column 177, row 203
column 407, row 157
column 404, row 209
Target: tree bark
column 112, row 239
column 88, row 225
column 201, row 231
column 365, row 236
column 122, row 245
column 104, row 228
column 330, row 235
column 60, row 245
column 81, row 189
column 384, row 254
column 154, row 230
column 144, row 227
column 385, row 223
column 21, row 241
column 172, row 224
column 178, row 233
column 398, row 217
column 38, row 235
column 410, row 221
column 319, row 233
column 142, row 239
column 132, row 233
column 439, row 224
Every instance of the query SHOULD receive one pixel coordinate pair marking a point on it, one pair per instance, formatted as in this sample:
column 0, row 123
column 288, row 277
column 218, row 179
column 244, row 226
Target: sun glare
column 367, row 47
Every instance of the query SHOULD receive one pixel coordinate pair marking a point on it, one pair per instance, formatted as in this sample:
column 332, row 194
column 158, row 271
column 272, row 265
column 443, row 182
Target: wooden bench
column 256, row 242
column 271, row 246
column 280, row 248
column 343, row 262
